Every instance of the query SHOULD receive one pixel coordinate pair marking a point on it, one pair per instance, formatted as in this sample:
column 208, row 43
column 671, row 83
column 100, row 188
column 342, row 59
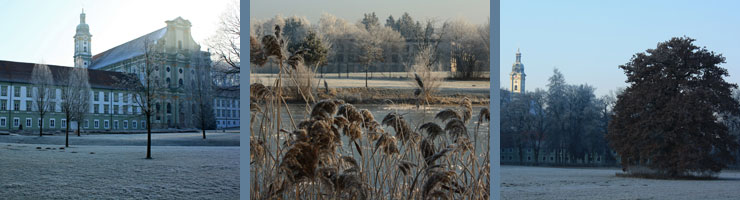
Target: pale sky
column 475, row 11
column 587, row 40
column 32, row 31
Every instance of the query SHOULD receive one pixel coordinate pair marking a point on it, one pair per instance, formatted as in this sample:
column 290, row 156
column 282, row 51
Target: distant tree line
column 338, row 46
column 567, row 119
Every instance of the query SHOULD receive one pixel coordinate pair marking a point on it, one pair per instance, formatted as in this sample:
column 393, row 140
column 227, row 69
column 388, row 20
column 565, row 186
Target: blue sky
column 475, row 11
column 32, row 31
column 588, row 40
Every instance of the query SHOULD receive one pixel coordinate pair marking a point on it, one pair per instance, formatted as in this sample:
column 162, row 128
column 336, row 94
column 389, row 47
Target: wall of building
column 112, row 107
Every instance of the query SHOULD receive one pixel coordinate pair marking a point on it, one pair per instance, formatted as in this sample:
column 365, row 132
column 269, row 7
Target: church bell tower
column 82, row 56
column 517, row 75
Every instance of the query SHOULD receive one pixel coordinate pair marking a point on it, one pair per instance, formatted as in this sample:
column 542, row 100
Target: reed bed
column 337, row 151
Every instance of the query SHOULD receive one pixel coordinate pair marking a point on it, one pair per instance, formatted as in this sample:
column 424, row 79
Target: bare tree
column 201, row 93
column 423, row 76
column 44, row 86
column 83, row 99
column 73, row 94
column 146, row 86
column 226, row 43
column 370, row 49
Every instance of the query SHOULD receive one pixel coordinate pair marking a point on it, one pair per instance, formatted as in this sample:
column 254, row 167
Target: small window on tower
column 515, row 88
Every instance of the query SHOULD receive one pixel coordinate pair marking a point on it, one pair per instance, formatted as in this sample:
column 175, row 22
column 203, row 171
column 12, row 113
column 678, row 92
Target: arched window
column 169, row 108
column 168, row 80
column 181, row 83
column 180, row 70
column 168, row 69
column 515, row 88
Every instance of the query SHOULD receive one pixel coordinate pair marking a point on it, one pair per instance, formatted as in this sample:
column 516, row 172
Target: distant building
column 517, row 76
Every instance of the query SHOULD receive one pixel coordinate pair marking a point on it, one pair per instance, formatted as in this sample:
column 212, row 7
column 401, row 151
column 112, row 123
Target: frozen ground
column 118, row 172
column 213, row 138
column 113, row 167
column 357, row 80
column 599, row 183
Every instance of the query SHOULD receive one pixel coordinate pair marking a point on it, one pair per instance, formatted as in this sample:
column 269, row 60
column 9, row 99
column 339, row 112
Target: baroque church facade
column 112, row 107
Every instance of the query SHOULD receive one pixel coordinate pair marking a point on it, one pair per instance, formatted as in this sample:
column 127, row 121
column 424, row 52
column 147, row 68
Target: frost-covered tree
column 667, row 119
column 201, row 90
column 43, row 82
column 75, row 97
column 226, row 43
column 145, row 88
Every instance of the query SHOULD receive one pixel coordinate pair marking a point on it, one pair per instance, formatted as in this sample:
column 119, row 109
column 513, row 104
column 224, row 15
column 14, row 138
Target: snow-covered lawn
column 599, row 183
column 118, row 172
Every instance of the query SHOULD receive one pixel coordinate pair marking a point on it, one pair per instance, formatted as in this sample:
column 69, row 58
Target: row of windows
column 227, row 103
column 96, row 95
column 52, row 123
column 529, row 158
column 227, row 113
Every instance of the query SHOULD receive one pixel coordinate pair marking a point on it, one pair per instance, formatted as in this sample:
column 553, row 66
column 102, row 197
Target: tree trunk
column 148, row 136
column 203, row 128
column 365, row 77
column 41, row 127
column 79, row 128
column 66, row 133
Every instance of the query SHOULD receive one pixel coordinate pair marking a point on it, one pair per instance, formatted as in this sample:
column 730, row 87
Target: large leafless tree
column 75, row 93
column 146, row 86
column 43, row 82
column 226, row 45
column 201, row 93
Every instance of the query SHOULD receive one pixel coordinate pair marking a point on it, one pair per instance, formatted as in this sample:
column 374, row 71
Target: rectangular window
column 16, row 105
column 4, row 105
column 96, row 108
column 115, row 124
column 96, row 124
column 125, row 98
column 64, row 123
column 87, row 123
column 115, row 110
column 52, row 106
column 125, row 124
column 28, row 122
column 106, row 109
column 16, row 122
column 28, row 92
column 105, row 97
column 106, row 124
column 3, row 90
column 133, row 124
column 3, row 121
column 125, row 110
column 143, row 124
column 52, row 123
column 96, row 96
column 29, row 105
column 17, row 91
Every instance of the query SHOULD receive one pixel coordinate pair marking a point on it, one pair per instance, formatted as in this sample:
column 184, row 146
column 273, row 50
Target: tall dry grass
column 341, row 152
column 338, row 151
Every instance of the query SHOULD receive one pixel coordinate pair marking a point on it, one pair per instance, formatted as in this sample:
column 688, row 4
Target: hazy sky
column 31, row 31
column 588, row 40
column 475, row 11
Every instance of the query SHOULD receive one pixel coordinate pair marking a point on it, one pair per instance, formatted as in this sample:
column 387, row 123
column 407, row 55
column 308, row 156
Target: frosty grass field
column 44, row 171
column 520, row 182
